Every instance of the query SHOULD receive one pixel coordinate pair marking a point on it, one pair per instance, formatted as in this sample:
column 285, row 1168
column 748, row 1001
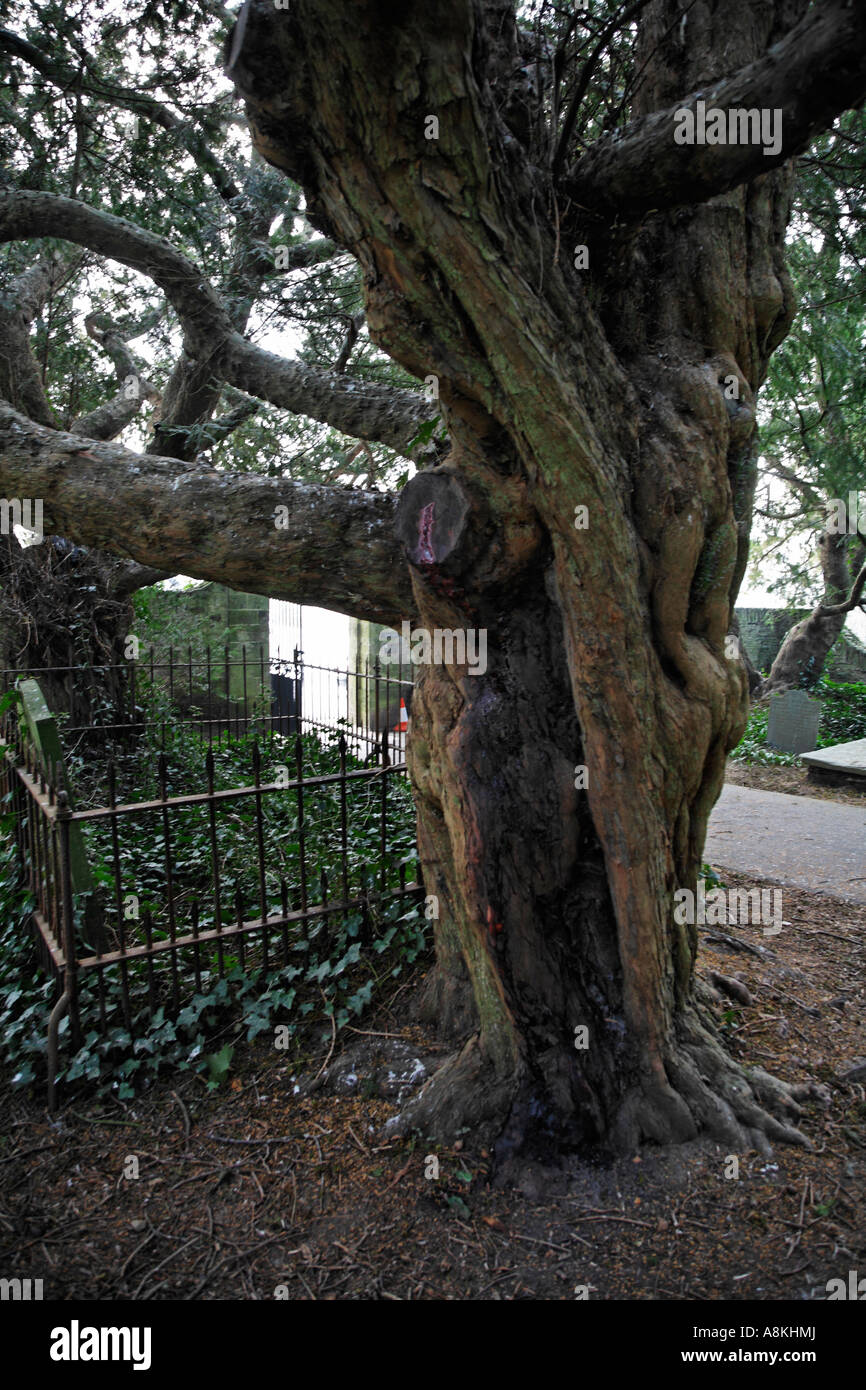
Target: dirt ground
column 793, row 780
column 258, row 1191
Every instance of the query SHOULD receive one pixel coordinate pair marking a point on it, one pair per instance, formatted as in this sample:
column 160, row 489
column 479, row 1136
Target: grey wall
column 762, row 631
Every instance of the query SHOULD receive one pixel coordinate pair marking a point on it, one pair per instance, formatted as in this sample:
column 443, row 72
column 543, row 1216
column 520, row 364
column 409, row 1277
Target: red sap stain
column 425, row 535
column 493, row 926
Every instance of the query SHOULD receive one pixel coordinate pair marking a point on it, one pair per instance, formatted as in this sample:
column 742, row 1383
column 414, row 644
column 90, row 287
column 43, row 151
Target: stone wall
column 762, row 631
column 213, row 616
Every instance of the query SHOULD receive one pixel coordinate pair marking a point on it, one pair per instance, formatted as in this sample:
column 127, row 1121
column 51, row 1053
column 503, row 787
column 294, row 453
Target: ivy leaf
column 458, row 1205
column 218, row 1064
column 361, row 998
column 352, row 956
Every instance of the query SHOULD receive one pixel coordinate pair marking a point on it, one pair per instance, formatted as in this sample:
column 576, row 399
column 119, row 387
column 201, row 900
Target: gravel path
column 799, row 840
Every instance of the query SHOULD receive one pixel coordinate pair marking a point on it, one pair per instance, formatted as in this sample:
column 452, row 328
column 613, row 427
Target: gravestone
column 793, row 723
column 45, row 737
column 842, row 765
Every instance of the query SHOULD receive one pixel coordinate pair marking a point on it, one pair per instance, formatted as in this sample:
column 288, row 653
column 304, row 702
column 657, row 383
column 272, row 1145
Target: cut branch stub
column 462, row 536
column 438, row 523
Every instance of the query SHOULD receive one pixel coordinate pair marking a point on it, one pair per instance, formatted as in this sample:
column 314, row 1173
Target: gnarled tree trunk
column 626, row 388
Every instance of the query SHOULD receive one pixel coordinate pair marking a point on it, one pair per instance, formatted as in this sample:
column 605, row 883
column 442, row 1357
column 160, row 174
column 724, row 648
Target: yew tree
column 591, row 303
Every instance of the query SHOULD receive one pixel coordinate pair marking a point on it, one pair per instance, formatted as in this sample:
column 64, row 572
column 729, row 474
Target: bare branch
column 355, row 324
column 108, row 419
column 785, row 474
column 854, row 598
column 619, row 21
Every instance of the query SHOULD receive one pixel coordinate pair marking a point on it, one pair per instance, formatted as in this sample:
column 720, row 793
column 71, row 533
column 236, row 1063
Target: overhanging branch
column 362, row 410
column 335, row 548
column 66, row 76
column 812, row 75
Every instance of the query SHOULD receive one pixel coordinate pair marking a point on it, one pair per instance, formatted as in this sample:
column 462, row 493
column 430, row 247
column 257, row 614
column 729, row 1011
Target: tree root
column 706, row 1092
column 743, row 1107
column 464, row 1095
column 711, row 1094
column 445, row 1003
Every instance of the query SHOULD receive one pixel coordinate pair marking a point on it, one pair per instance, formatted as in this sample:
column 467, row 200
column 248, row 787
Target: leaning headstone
column 793, row 723
column 45, row 736
column 42, row 727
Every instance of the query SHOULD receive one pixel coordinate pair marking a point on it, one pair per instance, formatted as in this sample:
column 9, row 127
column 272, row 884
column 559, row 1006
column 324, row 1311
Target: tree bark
column 330, row 546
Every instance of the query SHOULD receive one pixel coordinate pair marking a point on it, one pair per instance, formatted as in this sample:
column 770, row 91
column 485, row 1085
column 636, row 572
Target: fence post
column 299, row 676
column 70, row 979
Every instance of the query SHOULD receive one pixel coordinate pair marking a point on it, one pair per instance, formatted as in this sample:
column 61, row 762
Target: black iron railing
column 104, row 918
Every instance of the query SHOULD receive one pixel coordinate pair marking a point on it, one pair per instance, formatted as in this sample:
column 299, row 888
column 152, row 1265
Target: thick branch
column 366, row 411
column 829, row 610
column 817, row 71
column 802, row 655
column 193, row 392
column 337, row 548
column 108, row 420
column 133, row 577
column 20, row 377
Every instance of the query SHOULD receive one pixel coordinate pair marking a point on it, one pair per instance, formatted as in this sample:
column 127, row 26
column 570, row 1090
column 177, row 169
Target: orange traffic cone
column 403, row 723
